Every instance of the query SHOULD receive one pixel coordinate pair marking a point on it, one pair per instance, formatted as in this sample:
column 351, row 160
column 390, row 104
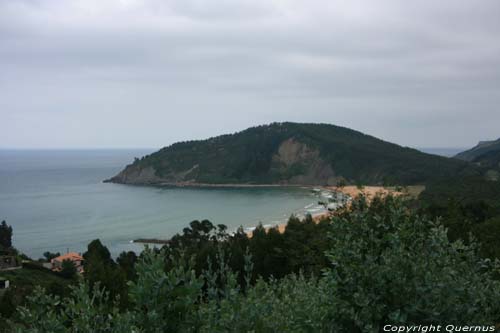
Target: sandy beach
column 353, row 192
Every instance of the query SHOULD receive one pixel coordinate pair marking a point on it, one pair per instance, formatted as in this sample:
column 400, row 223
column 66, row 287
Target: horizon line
column 78, row 148
column 149, row 148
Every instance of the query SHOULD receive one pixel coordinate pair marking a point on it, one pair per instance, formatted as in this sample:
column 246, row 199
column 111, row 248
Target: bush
column 386, row 266
column 68, row 269
column 392, row 266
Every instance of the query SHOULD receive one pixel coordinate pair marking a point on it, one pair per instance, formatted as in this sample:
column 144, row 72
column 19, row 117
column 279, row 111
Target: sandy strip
column 354, row 191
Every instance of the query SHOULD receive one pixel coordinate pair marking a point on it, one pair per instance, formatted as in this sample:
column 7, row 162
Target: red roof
column 73, row 256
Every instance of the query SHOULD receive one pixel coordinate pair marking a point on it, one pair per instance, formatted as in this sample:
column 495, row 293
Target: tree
column 86, row 310
column 488, row 233
column 386, row 265
column 68, row 269
column 7, row 305
column 5, row 236
column 390, row 265
column 126, row 261
column 100, row 268
column 49, row 255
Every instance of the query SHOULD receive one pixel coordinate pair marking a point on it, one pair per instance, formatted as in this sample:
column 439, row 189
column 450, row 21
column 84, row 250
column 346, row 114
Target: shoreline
column 215, row 185
column 280, row 226
column 350, row 191
column 318, row 216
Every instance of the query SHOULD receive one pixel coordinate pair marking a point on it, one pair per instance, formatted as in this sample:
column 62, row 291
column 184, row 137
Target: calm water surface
column 55, row 200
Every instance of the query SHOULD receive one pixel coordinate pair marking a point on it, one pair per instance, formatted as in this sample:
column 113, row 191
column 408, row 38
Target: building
column 4, row 283
column 76, row 258
column 8, row 262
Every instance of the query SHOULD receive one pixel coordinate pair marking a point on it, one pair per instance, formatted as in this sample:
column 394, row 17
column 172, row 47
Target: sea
column 55, row 201
column 446, row 152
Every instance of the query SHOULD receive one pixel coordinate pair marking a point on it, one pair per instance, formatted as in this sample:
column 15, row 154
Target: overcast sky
column 94, row 73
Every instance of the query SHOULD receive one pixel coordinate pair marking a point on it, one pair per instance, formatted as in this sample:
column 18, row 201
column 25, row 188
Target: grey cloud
column 417, row 73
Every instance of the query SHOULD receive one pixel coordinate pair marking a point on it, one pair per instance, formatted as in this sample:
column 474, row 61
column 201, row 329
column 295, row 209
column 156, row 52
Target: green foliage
column 179, row 301
column 49, row 255
column 488, row 234
column 163, row 301
column 293, row 304
column 249, row 157
column 392, row 266
column 84, row 311
column 100, row 268
column 465, row 191
column 466, row 206
column 5, row 236
column 22, row 284
column 68, row 269
column 127, row 260
column 386, row 265
column 486, row 154
column 304, row 245
column 7, row 305
column 274, row 254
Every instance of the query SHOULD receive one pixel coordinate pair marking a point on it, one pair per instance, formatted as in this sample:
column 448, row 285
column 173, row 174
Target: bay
column 56, row 201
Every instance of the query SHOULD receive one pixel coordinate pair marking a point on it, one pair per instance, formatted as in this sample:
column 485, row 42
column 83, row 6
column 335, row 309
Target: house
column 4, row 283
column 8, row 262
column 76, row 258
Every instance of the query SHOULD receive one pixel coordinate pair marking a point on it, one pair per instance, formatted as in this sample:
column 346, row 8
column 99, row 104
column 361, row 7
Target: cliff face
column 292, row 155
column 288, row 153
column 133, row 174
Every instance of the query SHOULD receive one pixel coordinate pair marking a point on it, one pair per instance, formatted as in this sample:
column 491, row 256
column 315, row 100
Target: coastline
column 317, row 216
column 214, row 185
column 281, row 228
column 350, row 191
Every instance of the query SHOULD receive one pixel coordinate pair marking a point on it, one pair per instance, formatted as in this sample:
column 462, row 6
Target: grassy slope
column 26, row 277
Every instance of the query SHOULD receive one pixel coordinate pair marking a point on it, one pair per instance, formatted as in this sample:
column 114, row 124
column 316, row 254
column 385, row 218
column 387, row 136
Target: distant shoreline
column 280, row 226
column 217, row 185
column 187, row 184
column 349, row 190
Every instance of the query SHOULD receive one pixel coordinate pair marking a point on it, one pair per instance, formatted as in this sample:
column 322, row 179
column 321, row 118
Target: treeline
column 300, row 249
column 468, row 207
column 366, row 267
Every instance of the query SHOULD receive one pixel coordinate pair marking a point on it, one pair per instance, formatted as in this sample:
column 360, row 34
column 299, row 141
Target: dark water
column 55, row 200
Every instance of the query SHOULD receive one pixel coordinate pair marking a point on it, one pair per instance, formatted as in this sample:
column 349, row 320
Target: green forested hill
column 481, row 151
column 290, row 153
column 485, row 155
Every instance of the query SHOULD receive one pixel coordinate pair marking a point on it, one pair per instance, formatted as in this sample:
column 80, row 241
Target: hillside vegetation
column 290, row 153
column 381, row 264
column 483, row 148
column 23, row 282
column 485, row 155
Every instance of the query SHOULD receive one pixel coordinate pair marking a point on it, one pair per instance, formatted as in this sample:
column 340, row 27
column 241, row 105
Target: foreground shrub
column 392, row 266
column 387, row 266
